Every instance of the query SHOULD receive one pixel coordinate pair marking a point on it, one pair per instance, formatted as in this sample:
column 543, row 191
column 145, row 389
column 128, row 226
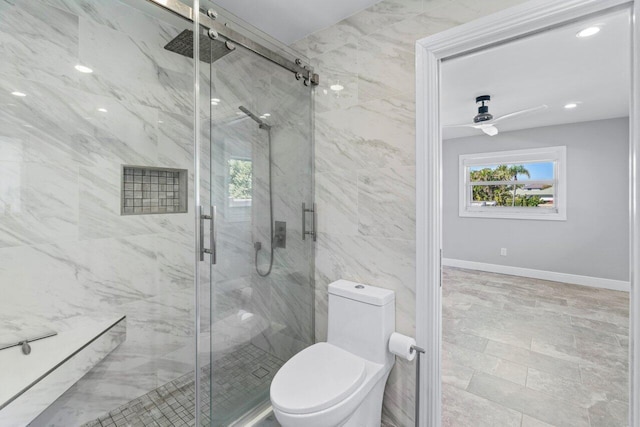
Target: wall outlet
column 503, row 251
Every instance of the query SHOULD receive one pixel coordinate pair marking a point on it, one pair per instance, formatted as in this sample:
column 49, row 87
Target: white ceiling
column 553, row 68
column 291, row 20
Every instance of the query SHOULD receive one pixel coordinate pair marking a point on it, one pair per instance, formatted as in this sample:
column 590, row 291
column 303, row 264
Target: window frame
column 556, row 154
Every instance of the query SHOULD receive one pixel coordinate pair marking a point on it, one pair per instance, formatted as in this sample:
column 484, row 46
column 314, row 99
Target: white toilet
column 341, row 382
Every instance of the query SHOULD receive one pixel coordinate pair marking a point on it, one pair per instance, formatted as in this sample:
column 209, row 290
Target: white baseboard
column 594, row 282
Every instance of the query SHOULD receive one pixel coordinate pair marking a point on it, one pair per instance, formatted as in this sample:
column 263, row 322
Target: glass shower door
column 256, row 144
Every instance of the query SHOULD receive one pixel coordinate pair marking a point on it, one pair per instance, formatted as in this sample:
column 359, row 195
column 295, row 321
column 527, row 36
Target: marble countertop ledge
column 20, row 372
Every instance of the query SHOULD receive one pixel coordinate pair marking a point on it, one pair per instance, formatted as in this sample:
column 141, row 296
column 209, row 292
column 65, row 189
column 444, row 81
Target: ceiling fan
column 485, row 121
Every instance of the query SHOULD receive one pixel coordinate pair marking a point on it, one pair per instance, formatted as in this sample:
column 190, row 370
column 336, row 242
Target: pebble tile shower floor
column 238, row 376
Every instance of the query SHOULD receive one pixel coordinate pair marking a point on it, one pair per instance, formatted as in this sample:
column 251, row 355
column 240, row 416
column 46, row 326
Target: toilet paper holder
column 419, row 351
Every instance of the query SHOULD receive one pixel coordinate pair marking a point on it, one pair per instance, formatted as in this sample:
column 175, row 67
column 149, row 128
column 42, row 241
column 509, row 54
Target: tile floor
column 517, row 352
column 532, row 353
column 241, row 377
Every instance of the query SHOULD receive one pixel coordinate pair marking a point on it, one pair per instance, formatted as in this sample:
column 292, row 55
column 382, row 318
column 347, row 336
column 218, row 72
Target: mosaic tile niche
column 148, row 190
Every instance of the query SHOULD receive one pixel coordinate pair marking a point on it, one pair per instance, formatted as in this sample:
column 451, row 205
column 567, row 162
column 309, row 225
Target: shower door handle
column 304, row 221
column 212, row 233
column 315, row 223
column 313, row 233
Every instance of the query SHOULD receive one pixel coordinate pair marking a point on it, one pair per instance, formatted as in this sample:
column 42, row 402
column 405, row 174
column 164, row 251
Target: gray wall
column 593, row 241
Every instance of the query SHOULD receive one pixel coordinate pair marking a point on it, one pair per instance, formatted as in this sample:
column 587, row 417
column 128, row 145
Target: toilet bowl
column 341, row 382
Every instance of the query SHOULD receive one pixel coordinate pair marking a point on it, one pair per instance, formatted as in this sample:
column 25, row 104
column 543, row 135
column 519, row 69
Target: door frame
column 510, row 24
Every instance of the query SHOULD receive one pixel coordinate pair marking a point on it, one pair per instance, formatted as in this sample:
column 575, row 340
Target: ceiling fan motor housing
column 483, row 109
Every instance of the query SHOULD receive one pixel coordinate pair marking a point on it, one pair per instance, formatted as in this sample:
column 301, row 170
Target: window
column 521, row 184
column 240, row 171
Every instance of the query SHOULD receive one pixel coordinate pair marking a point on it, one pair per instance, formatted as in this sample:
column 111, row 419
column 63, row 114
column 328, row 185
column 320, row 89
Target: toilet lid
column 316, row 378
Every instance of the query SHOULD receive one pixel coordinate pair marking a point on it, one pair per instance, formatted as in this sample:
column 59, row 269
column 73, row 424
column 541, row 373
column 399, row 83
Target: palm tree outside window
column 514, row 184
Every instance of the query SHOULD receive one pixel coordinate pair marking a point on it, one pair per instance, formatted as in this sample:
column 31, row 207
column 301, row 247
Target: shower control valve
column 280, row 235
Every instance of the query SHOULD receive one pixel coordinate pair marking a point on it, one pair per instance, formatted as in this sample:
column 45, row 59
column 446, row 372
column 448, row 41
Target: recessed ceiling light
column 102, row 110
column 336, row 87
column 215, row 100
column 240, row 113
column 262, row 117
column 16, row 93
column 267, row 115
column 83, row 69
column 588, row 32
column 570, row 105
column 28, row 126
column 214, row 103
column 160, row 121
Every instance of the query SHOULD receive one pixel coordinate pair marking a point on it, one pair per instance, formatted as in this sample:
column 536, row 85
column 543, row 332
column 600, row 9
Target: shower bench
column 29, row 383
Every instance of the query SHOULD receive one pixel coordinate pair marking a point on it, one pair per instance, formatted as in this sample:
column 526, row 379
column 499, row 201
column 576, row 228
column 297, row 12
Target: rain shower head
column 255, row 118
column 210, row 50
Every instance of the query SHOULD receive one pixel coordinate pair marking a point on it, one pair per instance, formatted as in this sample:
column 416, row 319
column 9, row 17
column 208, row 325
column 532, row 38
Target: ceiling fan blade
column 521, row 112
column 490, row 130
column 483, row 125
column 462, row 125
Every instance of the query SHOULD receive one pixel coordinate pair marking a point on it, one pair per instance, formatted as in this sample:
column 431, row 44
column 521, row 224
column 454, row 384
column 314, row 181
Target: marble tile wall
column 365, row 156
column 65, row 249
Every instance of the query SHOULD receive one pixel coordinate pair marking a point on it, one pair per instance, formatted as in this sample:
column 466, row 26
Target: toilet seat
column 317, row 378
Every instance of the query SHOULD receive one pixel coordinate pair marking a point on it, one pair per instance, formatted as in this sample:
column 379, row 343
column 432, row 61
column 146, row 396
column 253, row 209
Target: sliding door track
column 209, row 22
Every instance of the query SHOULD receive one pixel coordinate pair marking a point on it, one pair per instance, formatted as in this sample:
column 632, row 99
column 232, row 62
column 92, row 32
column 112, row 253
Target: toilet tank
column 361, row 319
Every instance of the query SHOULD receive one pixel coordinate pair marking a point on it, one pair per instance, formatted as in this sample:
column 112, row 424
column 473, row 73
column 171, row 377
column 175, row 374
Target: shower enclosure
column 153, row 259
column 257, row 279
